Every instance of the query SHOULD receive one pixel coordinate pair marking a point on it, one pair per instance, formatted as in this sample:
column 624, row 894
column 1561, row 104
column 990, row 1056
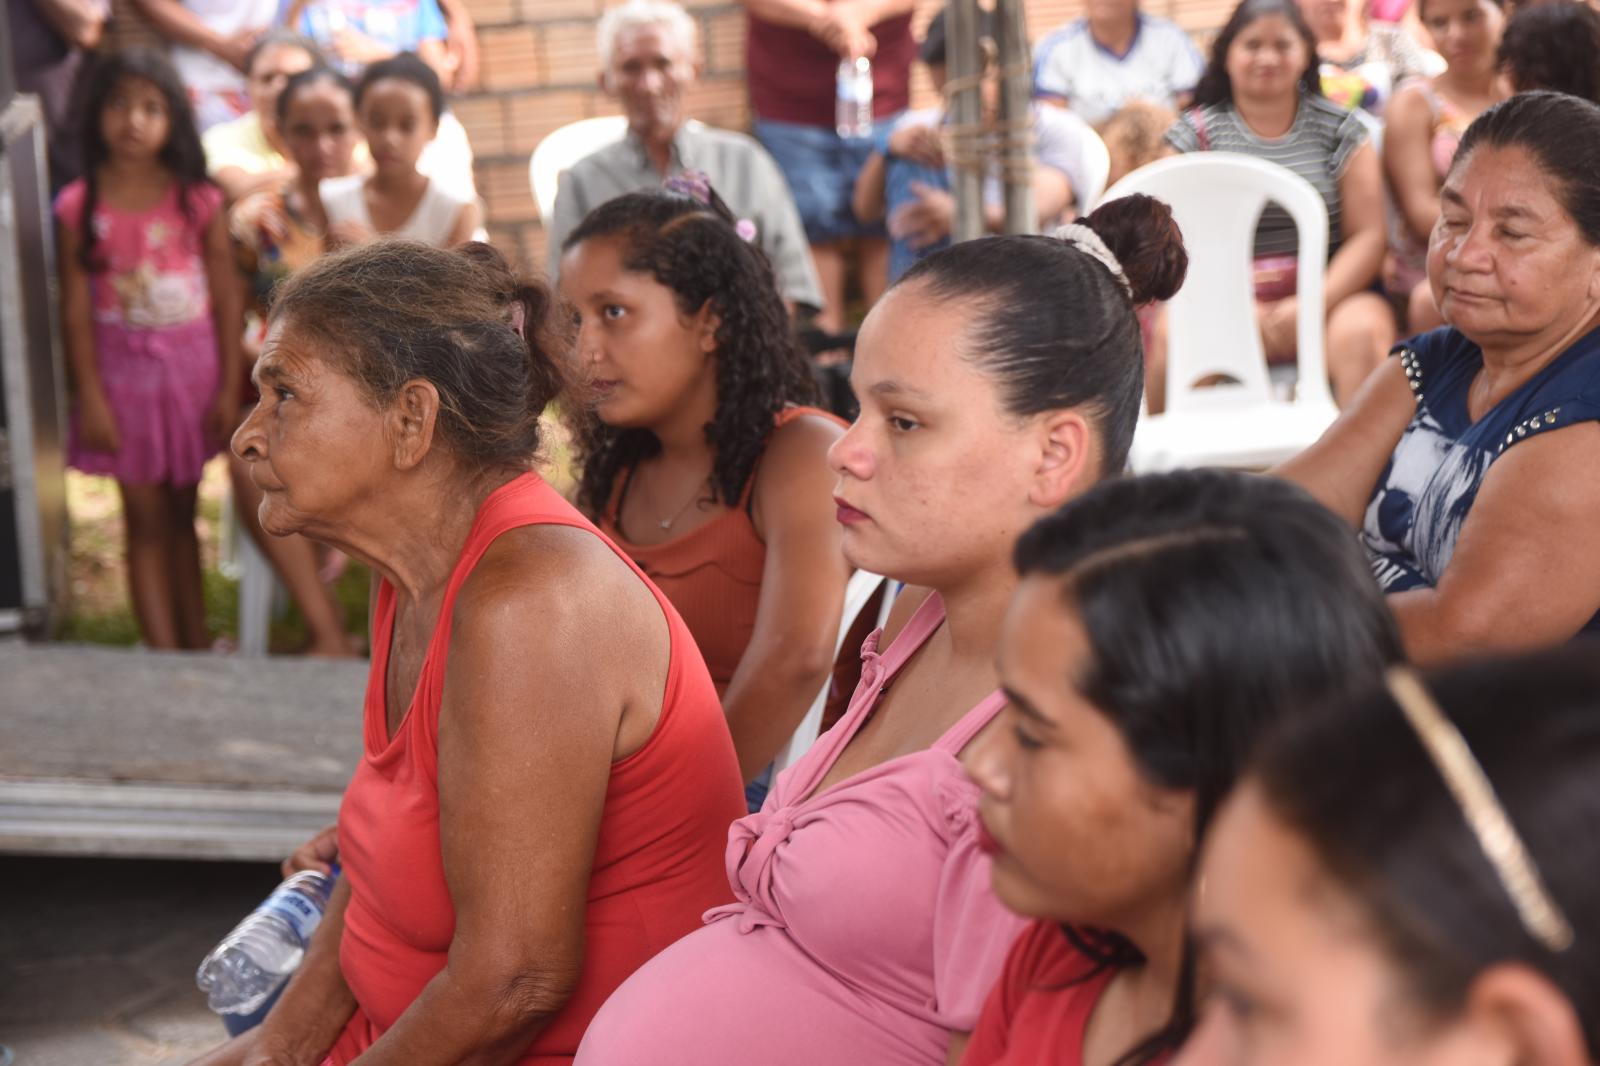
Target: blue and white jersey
column 1426, row 492
column 1161, row 65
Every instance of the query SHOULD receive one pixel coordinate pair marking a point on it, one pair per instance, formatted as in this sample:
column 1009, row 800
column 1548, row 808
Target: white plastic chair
column 857, row 594
column 563, row 147
column 1216, row 198
column 259, row 589
column 1095, row 167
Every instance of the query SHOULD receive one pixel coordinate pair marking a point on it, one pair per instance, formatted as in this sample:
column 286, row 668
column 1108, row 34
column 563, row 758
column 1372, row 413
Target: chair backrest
column 1217, row 198
column 857, row 594
column 563, row 147
column 1095, row 167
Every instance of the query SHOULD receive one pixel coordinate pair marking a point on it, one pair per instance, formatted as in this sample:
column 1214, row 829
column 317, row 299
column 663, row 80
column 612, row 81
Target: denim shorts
column 821, row 168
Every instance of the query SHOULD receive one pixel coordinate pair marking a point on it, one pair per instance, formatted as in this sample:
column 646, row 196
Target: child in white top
column 398, row 104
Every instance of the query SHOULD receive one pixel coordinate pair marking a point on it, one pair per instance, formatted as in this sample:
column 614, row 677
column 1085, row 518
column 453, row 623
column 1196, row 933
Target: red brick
column 723, row 52
column 1201, row 17
column 504, row 188
column 1047, row 16
column 549, row 10
column 484, row 119
column 530, row 116
column 507, row 240
column 923, row 14
column 720, row 102
column 510, row 57
column 569, row 53
column 492, row 12
column 533, row 249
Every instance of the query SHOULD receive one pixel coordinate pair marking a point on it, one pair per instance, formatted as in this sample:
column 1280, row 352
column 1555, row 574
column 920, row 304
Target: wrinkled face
column 645, row 359
column 1465, row 32
column 397, row 120
column 1506, row 262
column 650, row 71
column 135, row 121
column 314, row 443
column 1079, row 834
column 271, row 72
column 934, row 475
column 320, row 130
column 1294, row 977
column 1266, row 60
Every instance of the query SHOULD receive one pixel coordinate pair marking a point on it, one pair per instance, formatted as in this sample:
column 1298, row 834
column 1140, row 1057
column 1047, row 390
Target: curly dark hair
column 182, row 154
column 1215, row 87
column 1554, row 46
column 693, row 249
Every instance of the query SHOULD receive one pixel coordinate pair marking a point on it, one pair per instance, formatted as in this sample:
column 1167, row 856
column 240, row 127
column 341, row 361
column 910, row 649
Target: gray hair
column 635, row 14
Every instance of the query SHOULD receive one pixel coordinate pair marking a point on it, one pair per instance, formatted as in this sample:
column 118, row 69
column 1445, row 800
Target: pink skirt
column 160, row 383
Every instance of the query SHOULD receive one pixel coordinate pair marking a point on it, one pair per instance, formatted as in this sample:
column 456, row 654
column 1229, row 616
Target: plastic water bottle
column 263, row 950
column 853, row 106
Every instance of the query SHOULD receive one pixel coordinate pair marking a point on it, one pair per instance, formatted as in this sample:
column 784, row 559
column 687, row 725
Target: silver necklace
column 666, row 523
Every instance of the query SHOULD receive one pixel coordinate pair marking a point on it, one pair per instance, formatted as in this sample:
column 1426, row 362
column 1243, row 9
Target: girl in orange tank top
column 703, row 463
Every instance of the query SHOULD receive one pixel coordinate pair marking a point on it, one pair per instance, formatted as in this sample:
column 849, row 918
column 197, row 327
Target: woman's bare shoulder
column 548, row 577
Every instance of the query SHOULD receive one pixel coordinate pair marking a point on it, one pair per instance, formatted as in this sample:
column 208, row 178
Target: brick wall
column 539, row 72
column 539, row 67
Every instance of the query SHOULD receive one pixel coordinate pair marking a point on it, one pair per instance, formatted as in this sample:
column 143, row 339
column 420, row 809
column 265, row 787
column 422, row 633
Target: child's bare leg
column 188, row 598
column 145, row 518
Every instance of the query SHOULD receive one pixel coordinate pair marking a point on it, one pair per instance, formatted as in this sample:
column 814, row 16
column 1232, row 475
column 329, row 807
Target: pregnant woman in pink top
column 864, row 928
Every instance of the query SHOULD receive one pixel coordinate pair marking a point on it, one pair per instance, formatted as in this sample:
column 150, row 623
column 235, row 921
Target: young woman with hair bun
column 997, row 379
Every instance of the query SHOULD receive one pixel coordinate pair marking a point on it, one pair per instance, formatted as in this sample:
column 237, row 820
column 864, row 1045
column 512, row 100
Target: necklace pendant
column 666, row 524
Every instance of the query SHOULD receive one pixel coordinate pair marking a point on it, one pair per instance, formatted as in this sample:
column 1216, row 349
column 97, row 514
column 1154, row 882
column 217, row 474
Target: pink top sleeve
column 69, row 205
column 205, row 200
column 972, row 931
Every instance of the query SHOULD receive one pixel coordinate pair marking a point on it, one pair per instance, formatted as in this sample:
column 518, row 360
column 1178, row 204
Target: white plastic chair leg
column 255, row 596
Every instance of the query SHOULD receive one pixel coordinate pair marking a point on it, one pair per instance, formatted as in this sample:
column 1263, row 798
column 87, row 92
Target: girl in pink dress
column 151, row 308
column 864, row 929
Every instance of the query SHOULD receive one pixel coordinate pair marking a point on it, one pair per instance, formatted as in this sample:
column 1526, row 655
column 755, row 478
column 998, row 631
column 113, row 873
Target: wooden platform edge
column 136, row 820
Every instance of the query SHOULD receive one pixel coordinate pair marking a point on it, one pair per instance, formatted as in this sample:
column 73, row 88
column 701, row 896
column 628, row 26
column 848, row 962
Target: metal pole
column 966, row 113
column 1015, row 146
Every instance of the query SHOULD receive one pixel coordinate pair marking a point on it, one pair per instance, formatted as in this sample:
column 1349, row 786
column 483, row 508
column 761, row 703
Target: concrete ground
column 97, row 956
column 182, row 760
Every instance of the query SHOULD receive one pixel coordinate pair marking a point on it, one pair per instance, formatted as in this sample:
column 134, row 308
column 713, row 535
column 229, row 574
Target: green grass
column 98, row 610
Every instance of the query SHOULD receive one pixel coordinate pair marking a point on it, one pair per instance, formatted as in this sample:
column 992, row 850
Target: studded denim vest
column 1423, row 497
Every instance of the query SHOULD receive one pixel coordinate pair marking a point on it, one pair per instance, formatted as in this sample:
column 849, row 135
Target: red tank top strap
column 525, row 501
column 779, row 420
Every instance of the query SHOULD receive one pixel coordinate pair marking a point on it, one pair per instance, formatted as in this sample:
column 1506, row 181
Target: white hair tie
column 1091, row 244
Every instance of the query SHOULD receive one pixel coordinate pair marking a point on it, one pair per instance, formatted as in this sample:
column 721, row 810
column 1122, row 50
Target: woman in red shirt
column 1162, row 623
column 547, row 778
column 703, row 461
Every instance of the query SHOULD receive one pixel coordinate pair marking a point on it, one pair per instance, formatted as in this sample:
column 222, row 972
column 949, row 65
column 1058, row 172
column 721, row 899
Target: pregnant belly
column 722, row 996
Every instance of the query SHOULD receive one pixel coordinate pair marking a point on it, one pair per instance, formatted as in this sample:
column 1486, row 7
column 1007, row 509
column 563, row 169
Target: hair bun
column 1143, row 235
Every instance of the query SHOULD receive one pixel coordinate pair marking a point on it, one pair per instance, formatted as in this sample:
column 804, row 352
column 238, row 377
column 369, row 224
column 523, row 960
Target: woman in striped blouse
column 1261, row 96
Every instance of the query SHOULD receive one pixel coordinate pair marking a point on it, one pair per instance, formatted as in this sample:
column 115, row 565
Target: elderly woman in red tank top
column 704, row 464
column 547, row 778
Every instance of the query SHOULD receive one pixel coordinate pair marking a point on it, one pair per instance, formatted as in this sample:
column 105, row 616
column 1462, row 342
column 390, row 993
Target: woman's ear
column 1066, row 457
column 1526, row 1012
column 413, row 417
column 707, row 322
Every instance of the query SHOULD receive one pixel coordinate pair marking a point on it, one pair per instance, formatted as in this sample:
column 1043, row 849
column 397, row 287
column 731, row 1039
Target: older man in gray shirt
column 648, row 56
